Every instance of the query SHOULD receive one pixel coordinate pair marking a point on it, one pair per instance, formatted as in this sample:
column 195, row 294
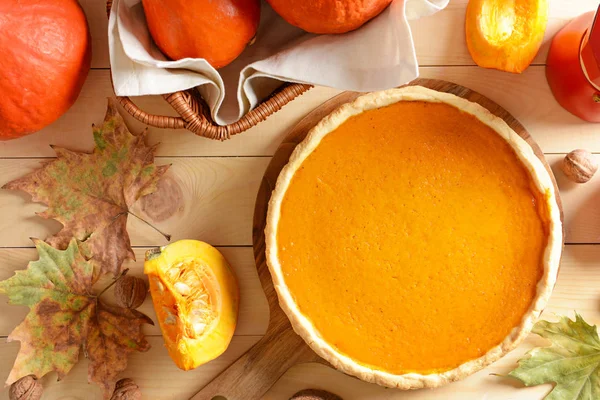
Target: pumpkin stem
column 166, row 235
column 153, row 253
column 122, row 274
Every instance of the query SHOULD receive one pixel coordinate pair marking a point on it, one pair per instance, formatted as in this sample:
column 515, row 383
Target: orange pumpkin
column 45, row 57
column 217, row 31
column 505, row 35
column 196, row 299
column 328, row 16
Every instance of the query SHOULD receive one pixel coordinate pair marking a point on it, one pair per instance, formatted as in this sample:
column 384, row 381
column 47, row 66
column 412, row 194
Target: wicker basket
column 194, row 113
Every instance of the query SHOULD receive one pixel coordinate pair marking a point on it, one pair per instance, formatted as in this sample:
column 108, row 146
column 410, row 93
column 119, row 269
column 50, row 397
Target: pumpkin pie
column 413, row 238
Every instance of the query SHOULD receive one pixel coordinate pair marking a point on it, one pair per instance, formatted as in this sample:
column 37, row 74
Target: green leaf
column 65, row 316
column 572, row 361
column 90, row 194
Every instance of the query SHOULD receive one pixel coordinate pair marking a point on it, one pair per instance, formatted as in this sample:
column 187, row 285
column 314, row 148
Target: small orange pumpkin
column 196, row 299
column 328, row 16
column 217, row 31
column 45, row 56
column 505, row 35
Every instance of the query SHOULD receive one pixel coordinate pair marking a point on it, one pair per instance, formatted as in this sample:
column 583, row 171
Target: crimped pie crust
column 551, row 259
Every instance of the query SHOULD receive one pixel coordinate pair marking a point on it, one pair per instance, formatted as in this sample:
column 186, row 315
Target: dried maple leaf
column 65, row 317
column 90, row 194
column 572, row 361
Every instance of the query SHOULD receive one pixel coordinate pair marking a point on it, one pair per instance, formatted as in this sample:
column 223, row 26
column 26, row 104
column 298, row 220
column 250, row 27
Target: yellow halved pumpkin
column 505, row 35
column 196, row 298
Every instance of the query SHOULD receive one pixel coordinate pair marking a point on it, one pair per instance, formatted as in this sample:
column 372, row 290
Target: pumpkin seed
column 182, row 288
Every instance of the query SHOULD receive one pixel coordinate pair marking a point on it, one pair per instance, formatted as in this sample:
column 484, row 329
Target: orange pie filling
column 412, row 238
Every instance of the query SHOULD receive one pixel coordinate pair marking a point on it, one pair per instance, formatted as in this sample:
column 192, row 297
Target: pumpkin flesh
column 196, row 299
column 505, row 35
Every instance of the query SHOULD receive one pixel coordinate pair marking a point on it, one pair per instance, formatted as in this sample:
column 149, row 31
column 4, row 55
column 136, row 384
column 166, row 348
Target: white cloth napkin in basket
column 379, row 55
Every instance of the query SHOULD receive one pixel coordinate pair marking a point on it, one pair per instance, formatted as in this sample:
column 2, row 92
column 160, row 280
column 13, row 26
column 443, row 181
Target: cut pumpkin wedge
column 505, row 34
column 196, row 298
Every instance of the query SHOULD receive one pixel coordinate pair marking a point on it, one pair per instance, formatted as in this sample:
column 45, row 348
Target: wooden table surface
column 219, row 182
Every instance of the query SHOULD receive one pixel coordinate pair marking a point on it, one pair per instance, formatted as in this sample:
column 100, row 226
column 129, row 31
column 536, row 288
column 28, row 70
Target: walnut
column 26, row 388
column 126, row 389
column 579, row 166
column 314, row 394
column 130, row 291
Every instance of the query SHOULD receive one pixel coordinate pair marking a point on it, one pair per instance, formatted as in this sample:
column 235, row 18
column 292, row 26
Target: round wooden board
column 251, row 376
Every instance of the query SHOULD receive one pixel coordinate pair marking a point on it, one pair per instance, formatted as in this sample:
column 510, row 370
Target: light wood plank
column 218, row 204
column 580, row 204
column 153, row 371
column 95, row 11
column 526, row 96
column 446, row 47
column 253, row 317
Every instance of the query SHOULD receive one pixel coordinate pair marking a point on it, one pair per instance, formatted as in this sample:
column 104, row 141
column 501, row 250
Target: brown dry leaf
column 66, row 316
column 91, row 194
